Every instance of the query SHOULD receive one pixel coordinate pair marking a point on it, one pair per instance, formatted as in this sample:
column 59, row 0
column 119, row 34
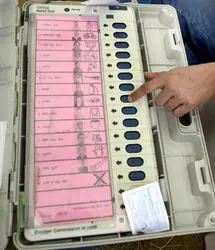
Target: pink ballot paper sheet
column 72, row 175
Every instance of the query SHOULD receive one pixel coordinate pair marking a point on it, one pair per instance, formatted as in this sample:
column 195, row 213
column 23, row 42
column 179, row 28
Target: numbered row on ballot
column 79, row 113
column 66, row 35
column 68, row 25
column 70, row 166
column 78, row 76
column 68, row 126
column 75, row 54
column 75, row 67
column 78, row 100
column 92, row 45
column 69, row 139
column 82, row 180
column 68, row 89
column 79, row 152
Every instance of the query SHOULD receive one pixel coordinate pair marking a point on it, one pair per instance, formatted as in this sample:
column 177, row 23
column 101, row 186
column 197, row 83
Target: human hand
column 182, row 89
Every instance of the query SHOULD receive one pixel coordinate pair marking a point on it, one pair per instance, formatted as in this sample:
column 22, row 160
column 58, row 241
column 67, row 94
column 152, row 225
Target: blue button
column 123, row 65
column 120, row 35
column 121, row 45
column 129, row 110
column 125, row 1
column 124, row 98
column 126, row 87
column 130, row 122
column 119, row 25
column 125, row 76
column 122, row 55
column 135, row 162
column 133, row 148
column 132, row 135
column 137, row 175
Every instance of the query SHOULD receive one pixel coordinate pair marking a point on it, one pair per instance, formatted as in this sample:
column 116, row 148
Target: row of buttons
column 128, row 110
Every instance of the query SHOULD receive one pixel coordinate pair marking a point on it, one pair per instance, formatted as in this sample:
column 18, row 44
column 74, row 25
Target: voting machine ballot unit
column 70, row 142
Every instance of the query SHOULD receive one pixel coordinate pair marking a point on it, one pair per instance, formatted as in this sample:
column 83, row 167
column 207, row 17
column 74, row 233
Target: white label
column 3, row 129
column 101, row 2
column 146, row 210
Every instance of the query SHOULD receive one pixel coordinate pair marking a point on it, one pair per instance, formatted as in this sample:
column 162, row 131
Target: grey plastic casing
column 184, row 168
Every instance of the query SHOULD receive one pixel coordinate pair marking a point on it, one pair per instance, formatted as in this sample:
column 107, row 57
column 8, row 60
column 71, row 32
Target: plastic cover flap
column 192, row 176
column 8, row 63
column 159, row 23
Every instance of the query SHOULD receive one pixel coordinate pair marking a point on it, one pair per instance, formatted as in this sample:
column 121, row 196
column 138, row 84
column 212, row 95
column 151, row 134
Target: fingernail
column 130, row 99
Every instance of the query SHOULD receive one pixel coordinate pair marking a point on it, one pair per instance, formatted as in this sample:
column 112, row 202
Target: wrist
column 211, row 76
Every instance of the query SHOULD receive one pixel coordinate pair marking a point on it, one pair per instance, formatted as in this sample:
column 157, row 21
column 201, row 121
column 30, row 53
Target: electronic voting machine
column 70, row 142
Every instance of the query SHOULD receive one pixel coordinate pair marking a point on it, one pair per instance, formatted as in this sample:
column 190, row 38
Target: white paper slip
column 146, row 210
column 101, row 2
column 3, row 129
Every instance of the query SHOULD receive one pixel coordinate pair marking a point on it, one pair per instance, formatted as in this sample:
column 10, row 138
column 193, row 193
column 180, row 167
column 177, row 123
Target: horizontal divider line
column 73, row 132
column 69, row 21
column 76, row 145
column 89, row 187
column 65, row 132
column 65, row 83
column 89, row 218
column 66, row 72
column 69, row 107
column 71, row 83
column 67, row 159
column 53, row 120
column 50, row 40
column 85, row 31
column 62, row 174
column 71, row 95
column 70, row 50
column 64, row 146
column 61, row 60
column 70, row 204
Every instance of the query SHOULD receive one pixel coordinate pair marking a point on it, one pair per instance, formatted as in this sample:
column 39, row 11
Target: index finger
column 146, row 88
